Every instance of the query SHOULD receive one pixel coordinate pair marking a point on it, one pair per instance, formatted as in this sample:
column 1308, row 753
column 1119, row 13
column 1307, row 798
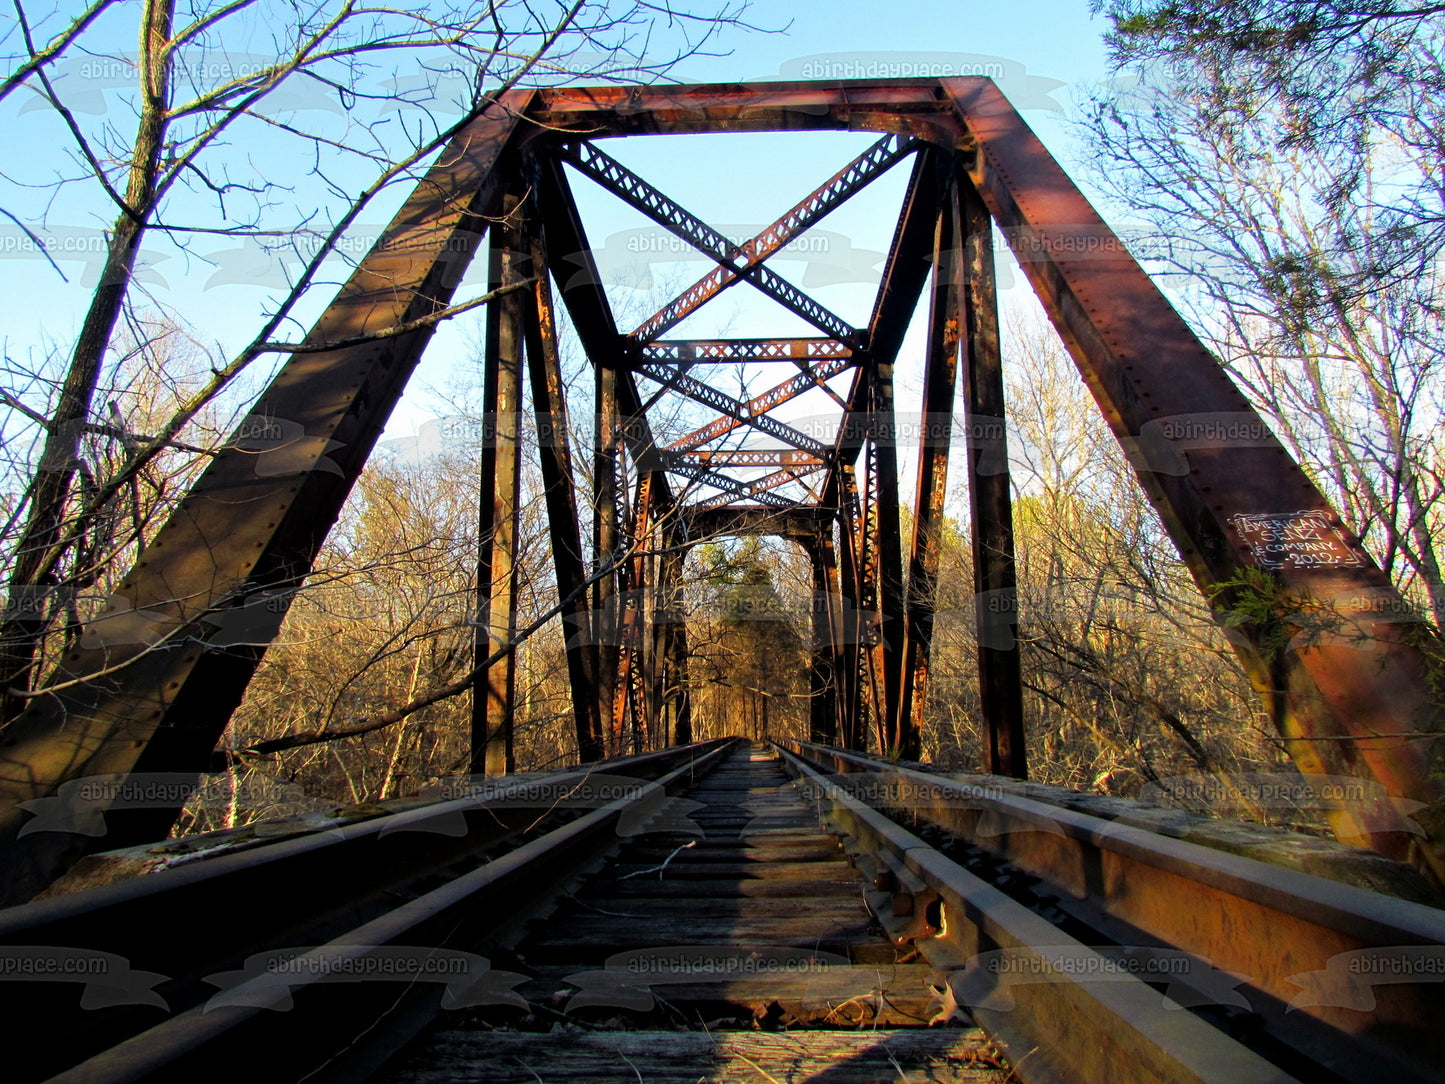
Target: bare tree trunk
column 36, row 558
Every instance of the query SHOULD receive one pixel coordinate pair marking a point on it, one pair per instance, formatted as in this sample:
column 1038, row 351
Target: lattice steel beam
column 710, row 350
column 759, row 405
column 744, row 457
column 734, row 486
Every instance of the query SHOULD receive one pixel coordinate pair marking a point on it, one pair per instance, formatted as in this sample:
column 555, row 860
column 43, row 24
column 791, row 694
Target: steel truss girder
column 819, row 203
column 1358, row 704
column 633, row 190
column 724, row 350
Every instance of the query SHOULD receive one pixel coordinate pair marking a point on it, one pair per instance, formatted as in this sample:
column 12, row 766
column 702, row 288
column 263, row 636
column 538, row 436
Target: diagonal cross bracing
column 760, row 486
column 735, row 408
column 704, row 472
column 632, row 189
column 822, row 201
column 734, row 488
column 757, row 407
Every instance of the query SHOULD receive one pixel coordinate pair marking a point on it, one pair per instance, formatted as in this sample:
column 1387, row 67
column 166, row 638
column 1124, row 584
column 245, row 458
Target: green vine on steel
column 1256, row 599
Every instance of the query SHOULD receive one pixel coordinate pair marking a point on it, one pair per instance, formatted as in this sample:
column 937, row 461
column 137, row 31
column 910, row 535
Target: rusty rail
column 1277, row 929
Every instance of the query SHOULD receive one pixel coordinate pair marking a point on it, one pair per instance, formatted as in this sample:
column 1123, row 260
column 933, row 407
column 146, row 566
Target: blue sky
column 1041, row 53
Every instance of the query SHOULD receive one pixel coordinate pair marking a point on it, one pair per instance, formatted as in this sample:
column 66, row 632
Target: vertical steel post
column 630, row 695
column 606, row 535
column 852, row 626
column 822, row 668
column 554, row 451
column 495, row 688
column 896, row 735
column 935, row 442
column 990, row 500
column 670, row 620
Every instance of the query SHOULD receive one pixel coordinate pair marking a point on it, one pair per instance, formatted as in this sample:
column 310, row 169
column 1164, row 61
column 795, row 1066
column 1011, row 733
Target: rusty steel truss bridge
column 1353, row 695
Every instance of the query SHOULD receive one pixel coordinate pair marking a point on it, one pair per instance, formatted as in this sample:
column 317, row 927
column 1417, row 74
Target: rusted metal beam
column 798, row 523
column 912, row 106
column 734, row 490
column 629, row 699
column 670, row 620
column 758, row 488
column 494, row 689
column 903, row 277
column 896, row 732
column 1000, row 682
column 819, row 203
column 633, row 190
column 853, row 632
column 607, row 629
column 940, row 375
column 254, row 521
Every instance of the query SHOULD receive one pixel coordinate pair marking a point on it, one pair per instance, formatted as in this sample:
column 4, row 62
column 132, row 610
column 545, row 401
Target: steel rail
column 1067, row 1028
column 1269, row 925
column 200, row 918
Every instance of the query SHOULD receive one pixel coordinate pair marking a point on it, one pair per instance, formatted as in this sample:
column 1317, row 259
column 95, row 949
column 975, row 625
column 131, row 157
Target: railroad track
column 725, row 912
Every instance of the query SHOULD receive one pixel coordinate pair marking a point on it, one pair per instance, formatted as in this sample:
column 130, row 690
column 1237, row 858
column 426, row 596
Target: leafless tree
column 270, row 149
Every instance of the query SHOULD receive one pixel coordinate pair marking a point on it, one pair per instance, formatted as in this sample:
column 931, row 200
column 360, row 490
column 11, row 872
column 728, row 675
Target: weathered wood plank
column 935, row 1055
